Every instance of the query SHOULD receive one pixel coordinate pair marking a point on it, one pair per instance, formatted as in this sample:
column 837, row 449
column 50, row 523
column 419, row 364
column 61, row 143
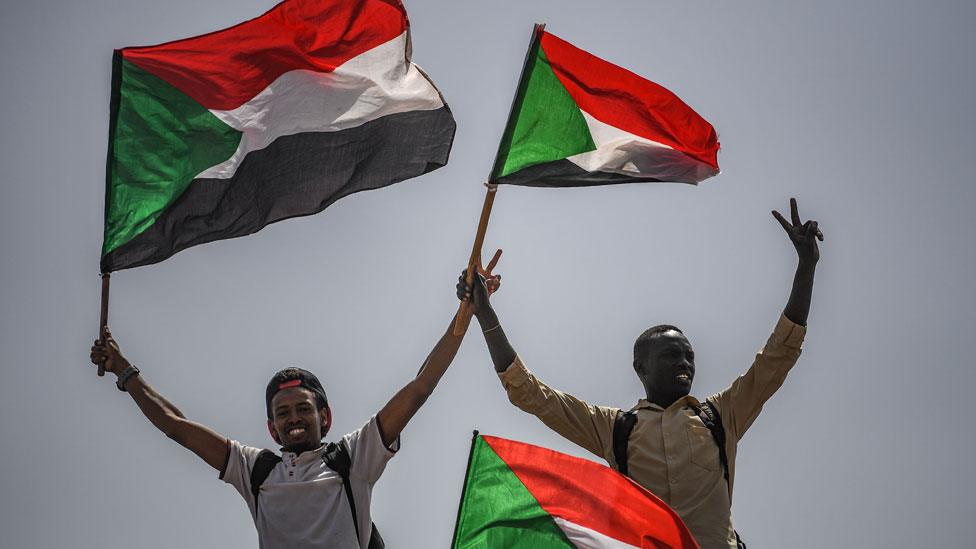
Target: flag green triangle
column 545, row 125
column 497, row 510
column 160, row 140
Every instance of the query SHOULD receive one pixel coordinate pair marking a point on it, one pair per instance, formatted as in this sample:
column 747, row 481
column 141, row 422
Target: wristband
column 129, row 373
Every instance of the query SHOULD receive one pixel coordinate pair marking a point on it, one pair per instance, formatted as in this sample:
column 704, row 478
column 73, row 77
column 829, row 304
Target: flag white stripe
column 372, row 85
column 584, row 538
column 624, row 153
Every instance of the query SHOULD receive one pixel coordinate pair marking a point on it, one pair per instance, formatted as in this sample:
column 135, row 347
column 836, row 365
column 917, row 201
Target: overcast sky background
column 862, row 110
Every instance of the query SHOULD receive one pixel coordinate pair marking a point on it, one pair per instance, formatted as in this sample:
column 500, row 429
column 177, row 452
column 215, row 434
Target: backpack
column 624, row 423
column 336, row 457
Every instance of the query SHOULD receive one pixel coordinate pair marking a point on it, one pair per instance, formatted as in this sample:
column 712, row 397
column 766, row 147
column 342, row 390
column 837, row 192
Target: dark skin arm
column 501, row 351
column 804, row 237
column 199, row 439
column 408, row 400
column 402, row 407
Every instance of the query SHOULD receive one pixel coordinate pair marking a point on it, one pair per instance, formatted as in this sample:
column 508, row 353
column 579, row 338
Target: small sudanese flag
column 216, row 136
column 578, row 120
column 519, row 496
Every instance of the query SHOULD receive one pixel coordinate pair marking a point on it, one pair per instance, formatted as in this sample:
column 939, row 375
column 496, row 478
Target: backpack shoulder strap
column 623, row 425
column 337, row 458
column 709, row 415
column 263, row 465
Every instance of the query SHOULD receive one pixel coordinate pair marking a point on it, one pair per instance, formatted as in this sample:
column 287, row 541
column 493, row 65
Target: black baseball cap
column 294, row 377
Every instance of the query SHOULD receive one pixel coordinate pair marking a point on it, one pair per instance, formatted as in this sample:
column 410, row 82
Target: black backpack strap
column 263, row 465
column 337, row 458
column 713, row 420
column 623, row 425
column 709, row 415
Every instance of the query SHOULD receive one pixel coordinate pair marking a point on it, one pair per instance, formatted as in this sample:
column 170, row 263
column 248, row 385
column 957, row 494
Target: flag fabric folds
column 522, row 496
column 578, row 120
column 216, row 136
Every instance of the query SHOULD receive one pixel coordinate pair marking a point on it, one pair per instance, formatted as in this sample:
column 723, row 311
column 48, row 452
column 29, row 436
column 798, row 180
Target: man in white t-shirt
column 302, row 503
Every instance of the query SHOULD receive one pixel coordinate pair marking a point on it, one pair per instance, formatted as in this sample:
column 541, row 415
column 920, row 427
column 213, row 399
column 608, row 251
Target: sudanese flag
column 578, row 120
column 216, row 136
column 520, row 496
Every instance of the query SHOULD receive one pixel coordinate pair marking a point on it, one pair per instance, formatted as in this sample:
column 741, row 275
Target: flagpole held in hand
column 474, row 262
column 463, row 316
column 103, row 318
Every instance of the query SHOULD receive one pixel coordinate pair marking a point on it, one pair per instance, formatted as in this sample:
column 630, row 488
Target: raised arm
column 201, row 440
column 804, row 237
column 582, row 423
column 501, row 351
column 405, row 403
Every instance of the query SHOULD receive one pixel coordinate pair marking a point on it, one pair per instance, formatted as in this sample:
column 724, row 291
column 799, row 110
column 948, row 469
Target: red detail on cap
column 292, row 383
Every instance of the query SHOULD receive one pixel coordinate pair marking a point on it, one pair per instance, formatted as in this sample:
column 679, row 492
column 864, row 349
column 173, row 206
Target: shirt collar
column 644, row 404
column 307, row 455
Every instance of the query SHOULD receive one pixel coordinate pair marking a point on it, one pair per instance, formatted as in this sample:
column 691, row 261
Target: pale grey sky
column 862, row 110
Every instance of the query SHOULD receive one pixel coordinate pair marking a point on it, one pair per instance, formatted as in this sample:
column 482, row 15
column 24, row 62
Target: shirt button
column 674, row 481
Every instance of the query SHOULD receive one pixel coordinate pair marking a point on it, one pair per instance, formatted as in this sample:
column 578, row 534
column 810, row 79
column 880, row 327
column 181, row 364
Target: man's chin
column 298, row 447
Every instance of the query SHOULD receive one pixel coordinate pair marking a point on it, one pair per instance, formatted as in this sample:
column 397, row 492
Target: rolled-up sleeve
column 744, row 399
column 584, row 424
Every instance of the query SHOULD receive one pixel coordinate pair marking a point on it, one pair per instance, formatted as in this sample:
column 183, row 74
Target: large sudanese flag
column 578, row 120
column 216, row 136
column 519, row 496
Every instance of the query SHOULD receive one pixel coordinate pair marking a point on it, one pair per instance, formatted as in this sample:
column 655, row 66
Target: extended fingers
column 794, row 214
column 782, row 221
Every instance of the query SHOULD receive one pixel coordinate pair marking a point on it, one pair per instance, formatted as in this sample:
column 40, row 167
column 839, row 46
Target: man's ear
column 274, row 434
column 325, row 418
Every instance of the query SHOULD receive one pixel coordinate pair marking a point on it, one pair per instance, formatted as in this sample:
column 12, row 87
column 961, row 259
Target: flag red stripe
column 593, row 496
column 627, row 101
column 224, row 69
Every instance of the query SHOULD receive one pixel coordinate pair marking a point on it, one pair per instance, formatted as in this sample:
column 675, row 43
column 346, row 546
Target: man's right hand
column 485, row 284
column 105, row 352
column 477, row 297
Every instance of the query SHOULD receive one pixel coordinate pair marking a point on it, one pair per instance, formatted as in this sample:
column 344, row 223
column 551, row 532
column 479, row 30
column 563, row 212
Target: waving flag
column 578, row 120
column 522, row 496
column 217, row 136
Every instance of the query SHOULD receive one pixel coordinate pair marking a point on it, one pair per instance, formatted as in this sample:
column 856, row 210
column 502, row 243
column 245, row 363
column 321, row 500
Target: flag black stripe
column 289, row 179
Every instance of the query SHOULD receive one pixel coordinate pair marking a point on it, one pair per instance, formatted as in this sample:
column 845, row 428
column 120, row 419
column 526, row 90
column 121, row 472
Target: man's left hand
column 803, row 235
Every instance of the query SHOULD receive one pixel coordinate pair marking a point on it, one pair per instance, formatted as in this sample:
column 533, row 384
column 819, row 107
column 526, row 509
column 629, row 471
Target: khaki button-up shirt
column 670, row 451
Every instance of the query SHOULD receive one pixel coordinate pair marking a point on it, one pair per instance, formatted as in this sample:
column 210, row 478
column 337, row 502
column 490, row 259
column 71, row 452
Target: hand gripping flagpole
column 474, row 262
column 103, row 317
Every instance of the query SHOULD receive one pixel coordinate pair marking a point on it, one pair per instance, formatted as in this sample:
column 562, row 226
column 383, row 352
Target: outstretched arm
column 201, row 440
column 804, row 237
column 405, row 403
column 501, row 351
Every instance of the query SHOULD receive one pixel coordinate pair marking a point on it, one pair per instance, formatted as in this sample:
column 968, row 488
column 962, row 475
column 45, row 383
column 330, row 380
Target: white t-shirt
column 302, row 503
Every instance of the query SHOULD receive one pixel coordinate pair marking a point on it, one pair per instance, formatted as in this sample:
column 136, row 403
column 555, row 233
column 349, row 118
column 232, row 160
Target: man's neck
column 664, row 401
column 302, row 449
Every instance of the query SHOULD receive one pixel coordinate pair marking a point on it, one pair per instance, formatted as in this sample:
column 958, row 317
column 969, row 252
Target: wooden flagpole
column 103, row 318
column 474, row 262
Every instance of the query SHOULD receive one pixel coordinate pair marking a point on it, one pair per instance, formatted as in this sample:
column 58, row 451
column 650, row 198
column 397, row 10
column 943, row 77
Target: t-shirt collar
column 307, row 455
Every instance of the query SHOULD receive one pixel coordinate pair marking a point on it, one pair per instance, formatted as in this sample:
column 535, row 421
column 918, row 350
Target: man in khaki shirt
column 670, row 450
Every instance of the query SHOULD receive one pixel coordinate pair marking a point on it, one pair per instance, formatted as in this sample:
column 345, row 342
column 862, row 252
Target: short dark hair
column 295, row 377
column 645, row 338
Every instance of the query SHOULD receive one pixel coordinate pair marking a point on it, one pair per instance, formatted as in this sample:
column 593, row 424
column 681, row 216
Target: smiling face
column 297, row 423
column 665, row 364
